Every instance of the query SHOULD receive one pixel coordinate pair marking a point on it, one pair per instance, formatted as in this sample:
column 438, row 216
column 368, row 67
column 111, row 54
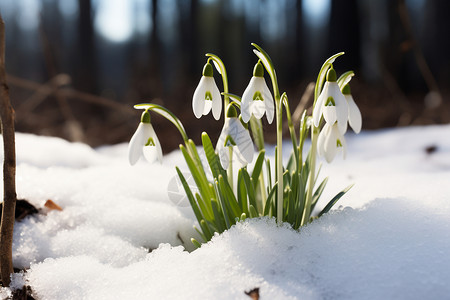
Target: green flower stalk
column 267, row 62
column 220, row 67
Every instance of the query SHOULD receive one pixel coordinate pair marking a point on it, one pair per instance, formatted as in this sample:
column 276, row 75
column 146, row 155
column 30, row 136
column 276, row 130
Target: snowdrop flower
column 331, row 104
column 257, row 98
column 330, row 142
column 207, row 95
column 354, row 115
column 144, row 142
column 236, row 137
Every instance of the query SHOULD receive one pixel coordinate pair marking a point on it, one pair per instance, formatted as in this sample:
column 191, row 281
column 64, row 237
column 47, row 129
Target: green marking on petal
column 330, row 102
column 258, row 96
column 229, row 142
column 338, row 143
column 150, row 142
column 208, row 96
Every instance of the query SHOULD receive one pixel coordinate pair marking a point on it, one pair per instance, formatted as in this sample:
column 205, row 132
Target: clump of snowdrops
column 227, row 190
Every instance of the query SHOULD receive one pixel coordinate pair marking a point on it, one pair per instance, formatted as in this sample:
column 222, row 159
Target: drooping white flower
column 330, row 141
column 207, row 95
column 257, row 98
column 331, row 104
column 354, row 114
column 144, row 142
column 234, row 138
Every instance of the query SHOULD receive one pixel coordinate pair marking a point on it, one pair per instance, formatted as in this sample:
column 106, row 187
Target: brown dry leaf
column 254, row 293
column 52, row 205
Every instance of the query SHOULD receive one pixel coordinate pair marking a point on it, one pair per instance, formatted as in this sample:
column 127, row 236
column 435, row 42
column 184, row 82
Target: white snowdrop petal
column 223, row 135
column 210, row 87
column 153, row 151
column 238, row 159
column 244, row 142
column 150, row 153
column 317, row 111
column 342, row 116
column 330, row 147
column 341, row 106
column 338, row 136
column 329, row 114
column 159, row 153
column 321, row 140
column 135, row 145
column 246, row 100
column 224, row 157
column 207, row 107
column 198, row 100
column 258, row 109
column 343, row 127
column 354, row 114
column 216, row 101
column 269, row 103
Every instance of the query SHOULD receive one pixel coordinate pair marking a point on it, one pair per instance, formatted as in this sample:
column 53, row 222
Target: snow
column 120, row 236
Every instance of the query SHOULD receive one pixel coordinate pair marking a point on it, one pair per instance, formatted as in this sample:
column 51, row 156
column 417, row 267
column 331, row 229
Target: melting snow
column 119, row 235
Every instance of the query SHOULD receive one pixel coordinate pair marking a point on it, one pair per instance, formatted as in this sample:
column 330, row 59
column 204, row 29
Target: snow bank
column 389, row 239
column 369, row 253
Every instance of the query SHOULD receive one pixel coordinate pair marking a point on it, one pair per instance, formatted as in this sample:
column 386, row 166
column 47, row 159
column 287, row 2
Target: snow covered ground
column 388, row 238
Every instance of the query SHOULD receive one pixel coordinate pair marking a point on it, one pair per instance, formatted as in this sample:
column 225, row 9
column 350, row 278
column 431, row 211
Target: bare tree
column 9, row 169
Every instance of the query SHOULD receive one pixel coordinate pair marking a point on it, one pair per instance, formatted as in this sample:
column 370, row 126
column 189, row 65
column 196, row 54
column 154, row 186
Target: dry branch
column 9, row 169
column 69, row 93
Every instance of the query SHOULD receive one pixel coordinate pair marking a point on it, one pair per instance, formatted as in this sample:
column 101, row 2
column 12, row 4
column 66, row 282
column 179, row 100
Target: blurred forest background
column 76, row 67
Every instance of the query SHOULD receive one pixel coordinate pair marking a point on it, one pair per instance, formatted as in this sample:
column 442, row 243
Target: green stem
column 230, row 168
column 196, row 167
column 322, row 74
column 161, row 110
column 312, row 175
column 262, row 188
column 257, row 132
column 285, row 101
column 314, row 135
column 267, row 62
column 223, row 73
column 280, row 160
column 258, row 138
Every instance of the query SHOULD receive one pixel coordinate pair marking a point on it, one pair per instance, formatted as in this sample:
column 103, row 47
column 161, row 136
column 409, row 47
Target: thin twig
column 9, row 169
column 302, row 105
column 43, row 92
column 73, row 127
column 70, row 93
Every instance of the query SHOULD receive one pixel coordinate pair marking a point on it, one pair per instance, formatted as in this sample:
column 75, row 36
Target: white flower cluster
column 235, row 138
column 337, row 108
column 235, row 144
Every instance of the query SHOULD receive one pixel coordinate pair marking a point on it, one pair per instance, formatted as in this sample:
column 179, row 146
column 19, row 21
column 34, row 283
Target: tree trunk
column 9, row 169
